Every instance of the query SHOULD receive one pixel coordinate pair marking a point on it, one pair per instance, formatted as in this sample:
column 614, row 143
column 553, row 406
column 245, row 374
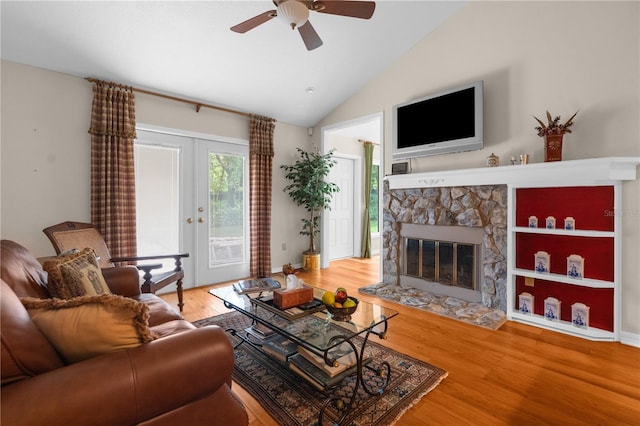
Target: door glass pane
column 445, row 252
column 412, row 254
column 465, row 266
column 226, row 209
column 157, row 201
column 429, row 260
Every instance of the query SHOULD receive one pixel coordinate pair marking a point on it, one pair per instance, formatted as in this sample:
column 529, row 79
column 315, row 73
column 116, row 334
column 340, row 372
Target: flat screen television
column 444, row 122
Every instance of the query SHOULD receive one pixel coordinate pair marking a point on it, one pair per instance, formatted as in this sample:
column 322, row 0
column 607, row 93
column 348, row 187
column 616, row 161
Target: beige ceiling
column 185, row 48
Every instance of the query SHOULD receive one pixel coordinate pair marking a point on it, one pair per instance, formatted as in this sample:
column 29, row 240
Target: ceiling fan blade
column 354, row 9
column 310, row 36
column 251, row 23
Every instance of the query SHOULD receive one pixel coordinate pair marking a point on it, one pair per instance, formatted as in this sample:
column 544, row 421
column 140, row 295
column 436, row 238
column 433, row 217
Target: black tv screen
column 445, row 122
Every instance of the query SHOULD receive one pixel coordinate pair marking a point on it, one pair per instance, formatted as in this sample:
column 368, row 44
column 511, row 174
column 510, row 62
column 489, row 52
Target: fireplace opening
column 445, row 262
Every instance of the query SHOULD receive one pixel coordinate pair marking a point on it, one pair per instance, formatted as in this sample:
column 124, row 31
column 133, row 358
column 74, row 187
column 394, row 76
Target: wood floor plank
column 518, row 374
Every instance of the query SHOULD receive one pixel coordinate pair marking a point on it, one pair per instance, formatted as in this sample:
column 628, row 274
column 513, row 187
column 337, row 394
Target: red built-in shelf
column 600, row 300
column 590, row 206
column 597, row 253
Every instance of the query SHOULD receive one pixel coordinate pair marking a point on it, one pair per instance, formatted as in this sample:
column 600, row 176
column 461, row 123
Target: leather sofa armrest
column 123, row 280
column 126, row 387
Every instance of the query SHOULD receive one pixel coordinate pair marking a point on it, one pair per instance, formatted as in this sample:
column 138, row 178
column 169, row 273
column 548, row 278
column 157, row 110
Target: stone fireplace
column 463, row 228
column 490, row 199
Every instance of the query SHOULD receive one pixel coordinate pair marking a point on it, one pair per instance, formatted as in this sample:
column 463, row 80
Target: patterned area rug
column 469, row 312
column 292, row 401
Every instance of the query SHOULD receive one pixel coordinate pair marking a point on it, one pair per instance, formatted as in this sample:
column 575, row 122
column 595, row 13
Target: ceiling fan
column 296, row 14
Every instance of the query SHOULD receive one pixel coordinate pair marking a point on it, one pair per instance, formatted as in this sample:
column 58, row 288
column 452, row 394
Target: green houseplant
column 309, row 188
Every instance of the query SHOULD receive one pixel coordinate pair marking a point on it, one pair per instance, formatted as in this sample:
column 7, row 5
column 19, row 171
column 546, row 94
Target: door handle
column 201, row 219
column 189, row 220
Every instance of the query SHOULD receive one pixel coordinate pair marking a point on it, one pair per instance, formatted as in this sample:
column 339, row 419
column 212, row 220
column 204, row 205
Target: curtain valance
column 113, row 111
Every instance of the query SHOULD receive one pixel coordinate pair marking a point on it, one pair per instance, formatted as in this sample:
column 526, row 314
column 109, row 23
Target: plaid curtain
column 113, row 195
column 260, row 177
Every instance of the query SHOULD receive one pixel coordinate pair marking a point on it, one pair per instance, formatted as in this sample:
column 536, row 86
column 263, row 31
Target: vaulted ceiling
column 186, row 49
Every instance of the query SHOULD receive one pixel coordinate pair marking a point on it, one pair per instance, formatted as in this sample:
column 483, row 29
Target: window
column 374, row 222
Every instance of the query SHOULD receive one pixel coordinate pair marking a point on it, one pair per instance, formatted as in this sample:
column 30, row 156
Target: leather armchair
column 183, row 377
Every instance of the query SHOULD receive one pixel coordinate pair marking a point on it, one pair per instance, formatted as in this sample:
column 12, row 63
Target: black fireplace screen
column 443, row 262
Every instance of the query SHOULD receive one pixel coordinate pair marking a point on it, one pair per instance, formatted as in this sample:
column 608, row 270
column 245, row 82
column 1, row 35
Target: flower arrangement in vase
column 553, row 132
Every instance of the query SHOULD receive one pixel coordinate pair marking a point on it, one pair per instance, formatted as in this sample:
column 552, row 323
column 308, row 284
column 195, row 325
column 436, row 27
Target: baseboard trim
column 630, row 339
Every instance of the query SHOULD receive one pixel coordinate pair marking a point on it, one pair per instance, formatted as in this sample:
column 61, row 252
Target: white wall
column 45, row 151
column 532, row 56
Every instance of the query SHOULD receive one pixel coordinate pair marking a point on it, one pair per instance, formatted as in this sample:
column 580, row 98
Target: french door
column 192, row 196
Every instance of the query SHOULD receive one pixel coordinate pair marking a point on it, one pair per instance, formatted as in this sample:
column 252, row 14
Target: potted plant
column 309, row 188
column 553, row 132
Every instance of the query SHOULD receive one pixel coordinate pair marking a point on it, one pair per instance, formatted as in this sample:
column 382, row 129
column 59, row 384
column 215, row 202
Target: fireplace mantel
column 601, row 170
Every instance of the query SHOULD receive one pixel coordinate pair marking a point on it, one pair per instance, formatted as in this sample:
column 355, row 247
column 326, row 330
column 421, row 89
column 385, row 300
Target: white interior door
column 191, row 197
column 342, row 214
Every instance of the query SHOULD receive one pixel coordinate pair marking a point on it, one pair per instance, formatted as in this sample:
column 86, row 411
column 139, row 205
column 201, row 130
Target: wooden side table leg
column 179, row 291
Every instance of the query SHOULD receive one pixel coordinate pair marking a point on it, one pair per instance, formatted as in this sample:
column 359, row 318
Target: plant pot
column 553, row 147
column 311, row 262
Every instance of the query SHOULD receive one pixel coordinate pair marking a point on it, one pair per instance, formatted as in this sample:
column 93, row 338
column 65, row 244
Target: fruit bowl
column 343, row 314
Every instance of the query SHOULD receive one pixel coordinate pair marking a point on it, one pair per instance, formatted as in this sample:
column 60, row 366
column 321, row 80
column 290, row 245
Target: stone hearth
column 471, row 206
column 469, row 312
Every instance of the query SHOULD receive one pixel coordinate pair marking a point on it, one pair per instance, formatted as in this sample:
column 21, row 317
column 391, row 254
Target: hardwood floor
column 518, row 375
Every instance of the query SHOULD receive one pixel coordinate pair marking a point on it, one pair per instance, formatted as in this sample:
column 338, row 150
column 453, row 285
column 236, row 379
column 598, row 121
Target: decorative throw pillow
column 75, row 274
column 88, row 326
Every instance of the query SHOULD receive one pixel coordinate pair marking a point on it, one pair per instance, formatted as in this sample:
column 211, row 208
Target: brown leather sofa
column 182, row 377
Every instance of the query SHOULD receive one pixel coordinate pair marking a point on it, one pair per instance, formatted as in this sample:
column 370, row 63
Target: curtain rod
column 198, row 105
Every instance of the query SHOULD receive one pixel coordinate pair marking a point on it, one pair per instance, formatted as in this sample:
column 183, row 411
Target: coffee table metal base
column 383, row 369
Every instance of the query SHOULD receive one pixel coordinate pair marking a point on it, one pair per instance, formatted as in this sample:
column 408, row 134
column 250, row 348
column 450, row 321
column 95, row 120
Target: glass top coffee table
column 312, row 329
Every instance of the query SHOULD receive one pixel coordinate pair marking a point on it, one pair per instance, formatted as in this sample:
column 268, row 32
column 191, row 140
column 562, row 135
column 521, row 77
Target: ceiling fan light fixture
column 295, row 13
